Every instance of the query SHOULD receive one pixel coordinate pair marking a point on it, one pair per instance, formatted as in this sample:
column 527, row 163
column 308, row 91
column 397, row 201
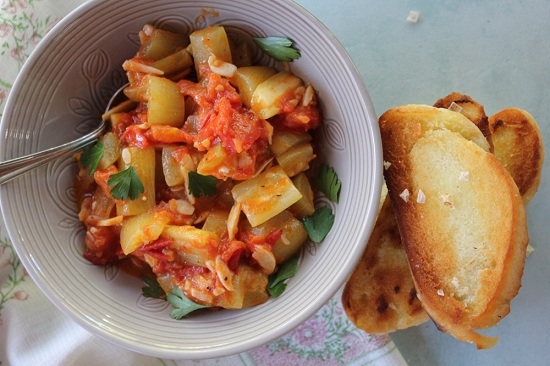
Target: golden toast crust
column 470, row 108
column 518, row 146
column 369, row 297
column 380, row 296
column 460, row 215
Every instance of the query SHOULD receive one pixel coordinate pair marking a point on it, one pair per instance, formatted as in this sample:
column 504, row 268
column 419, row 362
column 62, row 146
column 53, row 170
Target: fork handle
column 13, row 168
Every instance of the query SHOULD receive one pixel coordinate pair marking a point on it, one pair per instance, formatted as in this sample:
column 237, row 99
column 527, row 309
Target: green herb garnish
column 280, row 48
column 125, row 183
column 276, row 284
column 182, row 305
column 152, row 288
column 201, row 184
column 327, row 182
column 319, row 224
column 91, row 155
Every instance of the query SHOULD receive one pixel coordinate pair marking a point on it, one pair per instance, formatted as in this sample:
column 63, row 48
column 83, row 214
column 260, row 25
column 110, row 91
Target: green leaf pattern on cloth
column 12, row 273
column 327, row 338
column 21, row 28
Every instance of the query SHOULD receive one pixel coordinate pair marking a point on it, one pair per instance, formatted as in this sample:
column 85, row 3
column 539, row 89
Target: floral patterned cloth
column 33, row 331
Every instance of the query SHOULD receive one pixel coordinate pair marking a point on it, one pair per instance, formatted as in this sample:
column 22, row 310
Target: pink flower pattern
column 311, row 333
column 20, row 295
column 327, row 338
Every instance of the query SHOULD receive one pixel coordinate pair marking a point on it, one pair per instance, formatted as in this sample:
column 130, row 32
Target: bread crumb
column 464, row 176
column 405, row 195
column 413, row 16
column 387, row 165
column 454, row 281
column 455, row 107
column 530, row 250
column 440, row 292
column 420, row 197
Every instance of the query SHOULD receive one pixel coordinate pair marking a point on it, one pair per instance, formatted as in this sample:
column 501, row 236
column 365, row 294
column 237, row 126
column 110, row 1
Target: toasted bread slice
column 474, row 111
column 380, row 297
column 518, row 145
column 460, row 215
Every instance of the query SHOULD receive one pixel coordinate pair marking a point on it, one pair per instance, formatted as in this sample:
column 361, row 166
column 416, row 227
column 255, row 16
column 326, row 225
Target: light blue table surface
column 498, row 52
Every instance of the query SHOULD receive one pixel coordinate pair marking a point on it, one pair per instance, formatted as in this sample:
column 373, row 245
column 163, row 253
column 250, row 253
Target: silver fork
column 12, row 168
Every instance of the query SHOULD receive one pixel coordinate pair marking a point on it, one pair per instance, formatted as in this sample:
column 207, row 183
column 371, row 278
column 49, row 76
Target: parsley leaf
column 276, row 284
column 152, row 288
column 327, row 182
column 280, row 48
column 182, row 305
column 91, row 155
column 319, row 224
column 125, row 184
column 201, row 184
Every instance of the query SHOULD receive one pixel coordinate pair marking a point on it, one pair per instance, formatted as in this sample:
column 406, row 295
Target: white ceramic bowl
column 63, row 89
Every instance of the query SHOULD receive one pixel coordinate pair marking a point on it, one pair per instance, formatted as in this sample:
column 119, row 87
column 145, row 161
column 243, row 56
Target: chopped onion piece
column 225, row 275
column 308, row 96
column 111, row 222
column 233, row 220
column 181, row 206
column 265, row 258
column 221, row 67
column 133, row 65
